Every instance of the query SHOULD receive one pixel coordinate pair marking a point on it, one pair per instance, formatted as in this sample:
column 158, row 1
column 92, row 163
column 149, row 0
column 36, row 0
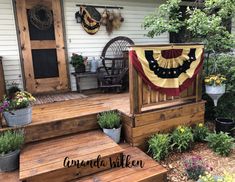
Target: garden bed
column 174, row 162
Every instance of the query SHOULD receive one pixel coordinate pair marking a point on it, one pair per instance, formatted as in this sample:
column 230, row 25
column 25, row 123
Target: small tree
column 205, row 22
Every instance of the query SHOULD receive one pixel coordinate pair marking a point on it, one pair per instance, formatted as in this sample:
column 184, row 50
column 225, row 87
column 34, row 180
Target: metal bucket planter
column 215, row 92
column 19, row 117
column 10, row 161
column 114, row 133
column 225, row 125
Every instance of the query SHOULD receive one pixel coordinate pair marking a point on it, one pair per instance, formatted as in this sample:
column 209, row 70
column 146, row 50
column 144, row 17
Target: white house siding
column 8, row 44
column 91, row 45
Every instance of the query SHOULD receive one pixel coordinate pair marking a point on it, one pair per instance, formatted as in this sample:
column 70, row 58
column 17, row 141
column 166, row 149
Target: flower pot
column 80, row 69
column 215, row 92
column 216, row 178
column 19, row 117
column 113, row 133
column 10, row 161
column 225, row 125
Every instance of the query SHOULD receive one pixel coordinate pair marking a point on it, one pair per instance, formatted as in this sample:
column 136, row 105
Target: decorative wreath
column 41, row 17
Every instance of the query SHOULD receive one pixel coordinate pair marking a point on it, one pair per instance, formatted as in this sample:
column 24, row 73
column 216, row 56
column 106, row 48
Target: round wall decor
column 41, row 17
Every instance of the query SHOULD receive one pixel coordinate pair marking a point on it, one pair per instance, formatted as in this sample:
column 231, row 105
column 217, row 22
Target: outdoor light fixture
column 78, row 17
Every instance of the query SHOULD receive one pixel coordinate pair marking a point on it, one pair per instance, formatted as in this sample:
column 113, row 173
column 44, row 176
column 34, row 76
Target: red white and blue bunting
column 169, row 69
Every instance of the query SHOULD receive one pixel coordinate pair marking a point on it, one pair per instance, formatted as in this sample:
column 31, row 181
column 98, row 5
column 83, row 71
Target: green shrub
column 200, row 132
column 182, row 138
column 220, row 143
column 109, row 120
column 159, row 146
column 10, row 141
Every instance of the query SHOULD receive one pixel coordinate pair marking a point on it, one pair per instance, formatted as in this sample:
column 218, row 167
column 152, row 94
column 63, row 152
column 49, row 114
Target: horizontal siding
column 9, row 45
column 91, row 45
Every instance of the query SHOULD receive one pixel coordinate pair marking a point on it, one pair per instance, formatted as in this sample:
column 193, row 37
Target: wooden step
column 70, row 117
column 151, row 172
column 45, row 160
column 9, row 176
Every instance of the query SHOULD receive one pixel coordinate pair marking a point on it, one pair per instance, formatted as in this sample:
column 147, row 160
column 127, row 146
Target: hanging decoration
column 111, row 20
column 90, row 19
column 168, row 68
column 41, row 17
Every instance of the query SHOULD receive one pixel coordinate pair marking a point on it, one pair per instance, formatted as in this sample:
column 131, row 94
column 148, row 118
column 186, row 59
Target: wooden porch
column 61, row 128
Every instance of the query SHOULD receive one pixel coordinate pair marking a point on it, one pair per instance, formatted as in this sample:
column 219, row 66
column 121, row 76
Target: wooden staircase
column 64, row 159
column 70, row 129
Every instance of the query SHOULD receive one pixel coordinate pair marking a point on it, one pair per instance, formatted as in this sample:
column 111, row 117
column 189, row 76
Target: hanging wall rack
column 97, row 6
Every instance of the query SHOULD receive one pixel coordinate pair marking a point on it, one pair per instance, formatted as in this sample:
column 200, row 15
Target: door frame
column 64, row 41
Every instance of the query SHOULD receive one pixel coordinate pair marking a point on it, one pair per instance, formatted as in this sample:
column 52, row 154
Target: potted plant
column 17, row 109
column 225, row 125
column 215, row 86
column 78, row 62
column 110, row 122
column 10, row 144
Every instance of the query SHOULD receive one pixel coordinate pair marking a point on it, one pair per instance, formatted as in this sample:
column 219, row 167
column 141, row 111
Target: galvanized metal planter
column 19, row 117
column 10, row 161
column 215, row 92
column 114, row 133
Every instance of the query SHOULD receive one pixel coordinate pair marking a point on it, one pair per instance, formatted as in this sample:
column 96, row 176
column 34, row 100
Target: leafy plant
column 12, row 89
column 159, row 146
column 10, row 141
column 220, row 143
column 20, row 100
column 207, row 177
column 77, row 60
column 200, row 132
column 215, row 80
column 182, row 138
column 109, row 120
column 194, row 167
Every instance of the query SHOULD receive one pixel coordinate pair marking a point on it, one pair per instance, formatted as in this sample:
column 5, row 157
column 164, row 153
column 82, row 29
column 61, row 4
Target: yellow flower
column 207, row 80
column 182, row 130
column 200, row 124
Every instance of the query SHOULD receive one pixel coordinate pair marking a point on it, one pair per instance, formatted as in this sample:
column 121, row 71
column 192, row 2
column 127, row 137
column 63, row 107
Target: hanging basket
column 215, row 92
column 41, row 17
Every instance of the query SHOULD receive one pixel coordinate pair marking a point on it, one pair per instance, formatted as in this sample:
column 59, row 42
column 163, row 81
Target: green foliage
column 109, row 120
column 225, row 64
column 226, row 177
column 205, row 23
column 200, row 132
column 159, row 146
column 164, row 19
column 182, row 138
column 220, row 143
column 77, row 60
column 10, row 141
column 12, row 89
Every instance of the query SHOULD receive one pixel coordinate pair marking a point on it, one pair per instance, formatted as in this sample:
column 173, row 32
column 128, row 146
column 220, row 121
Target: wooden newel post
column 2, row 86
column 135, row 106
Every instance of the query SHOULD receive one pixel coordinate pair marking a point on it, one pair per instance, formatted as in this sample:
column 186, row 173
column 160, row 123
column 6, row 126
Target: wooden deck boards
column 44, row 160
column 151, row 171
column 72, row 116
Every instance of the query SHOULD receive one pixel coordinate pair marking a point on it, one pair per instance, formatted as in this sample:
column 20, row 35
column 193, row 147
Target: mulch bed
column 219, row 164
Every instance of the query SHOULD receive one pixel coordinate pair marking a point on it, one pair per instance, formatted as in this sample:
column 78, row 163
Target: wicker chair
column 114, row 72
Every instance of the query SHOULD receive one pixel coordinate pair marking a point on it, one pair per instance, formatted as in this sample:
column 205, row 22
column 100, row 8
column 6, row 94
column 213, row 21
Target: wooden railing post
column 2, row 81
column 199, row 86
column 135, row 106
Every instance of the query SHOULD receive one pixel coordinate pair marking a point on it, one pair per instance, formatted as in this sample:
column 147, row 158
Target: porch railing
column 2, row 81
column 143, row 98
